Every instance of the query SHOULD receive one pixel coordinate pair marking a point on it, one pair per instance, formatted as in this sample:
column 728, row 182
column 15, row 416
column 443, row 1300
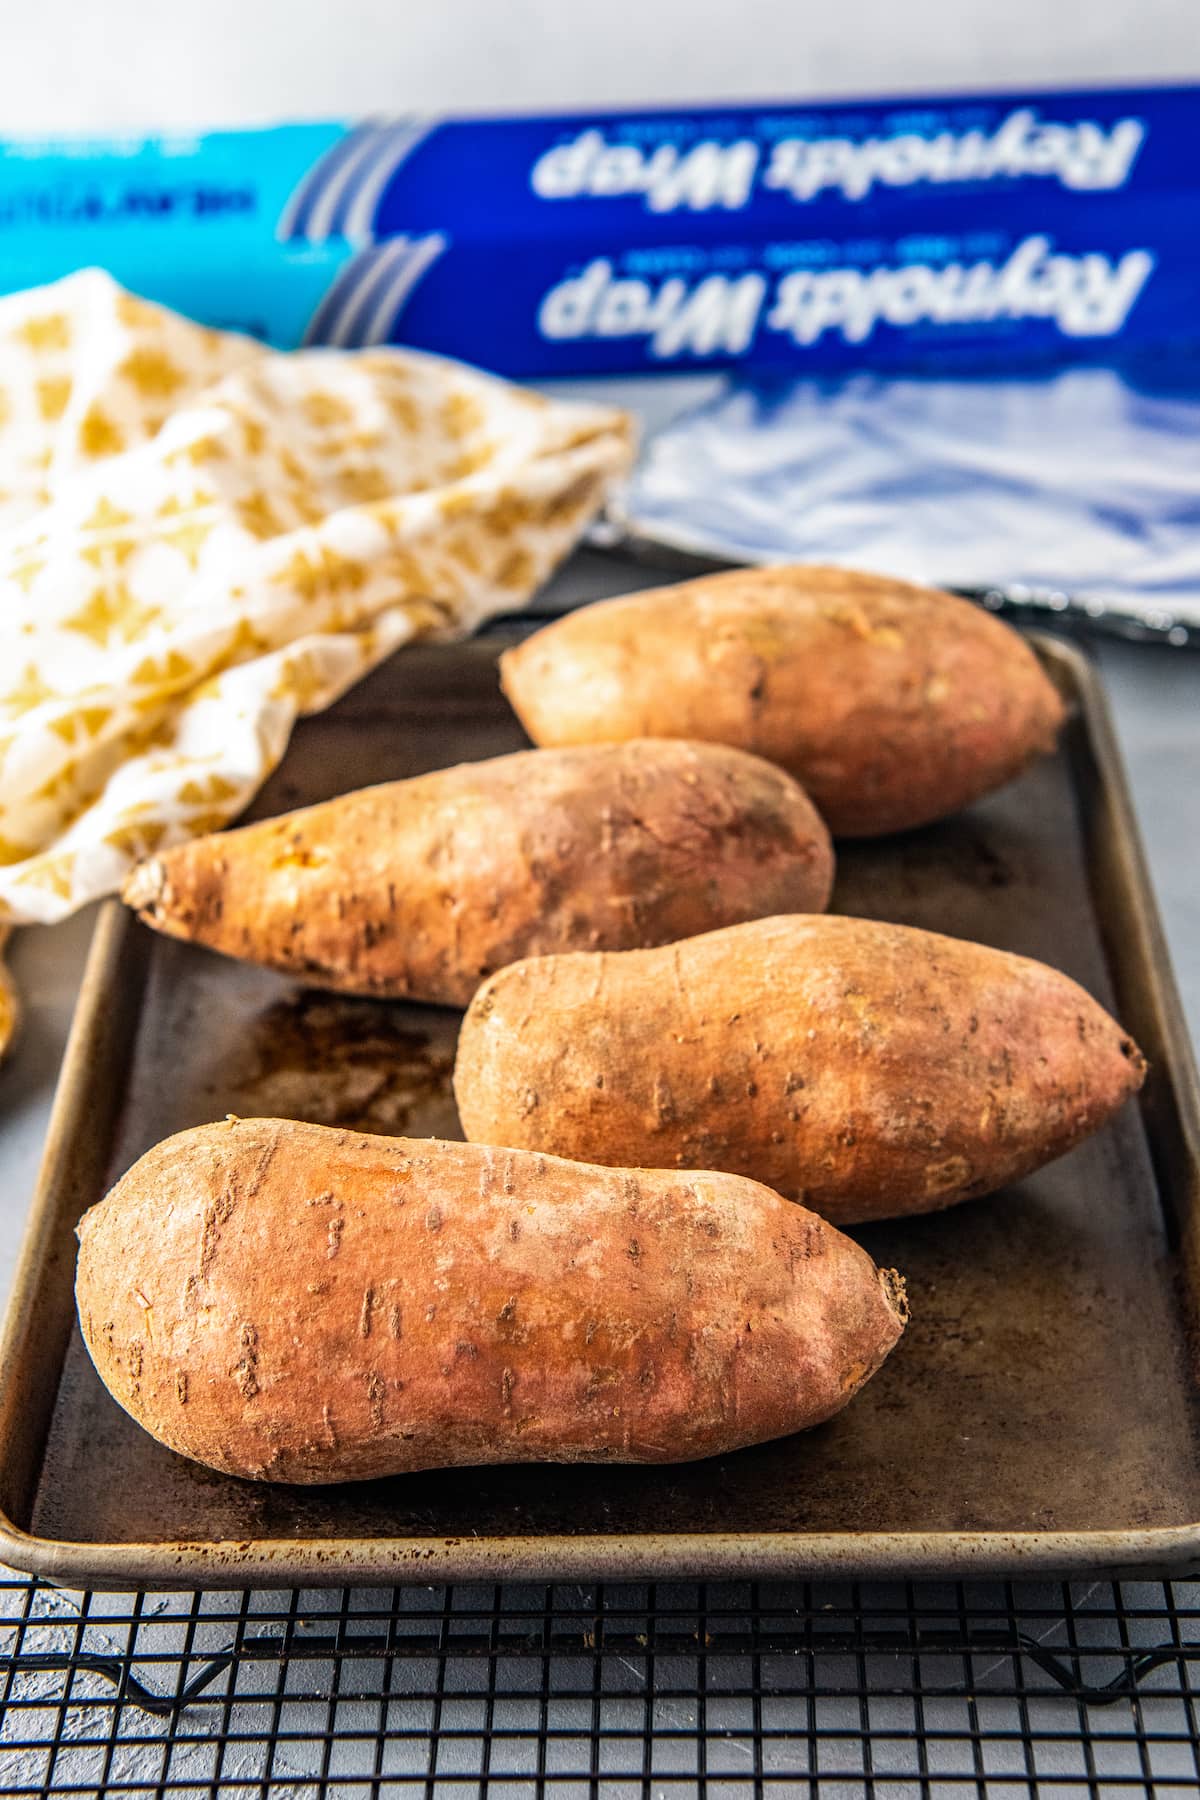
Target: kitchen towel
column 202, row 539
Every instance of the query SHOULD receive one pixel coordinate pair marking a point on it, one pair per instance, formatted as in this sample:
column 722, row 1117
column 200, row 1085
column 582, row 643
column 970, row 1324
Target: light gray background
column 69, row 65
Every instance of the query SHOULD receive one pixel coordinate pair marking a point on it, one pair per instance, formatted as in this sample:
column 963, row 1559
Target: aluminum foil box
column 875, row 234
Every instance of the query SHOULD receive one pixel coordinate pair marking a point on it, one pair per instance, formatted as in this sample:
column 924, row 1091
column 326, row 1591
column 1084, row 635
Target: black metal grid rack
column 617, row 1692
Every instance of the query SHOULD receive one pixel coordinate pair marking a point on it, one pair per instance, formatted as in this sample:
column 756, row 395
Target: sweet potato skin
column 10, row 1000
column 893, row 704
column 866, row 1070
column 419, row 889
column 442, row 1304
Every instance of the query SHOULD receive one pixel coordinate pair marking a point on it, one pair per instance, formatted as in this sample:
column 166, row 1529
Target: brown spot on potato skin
column 893, row 704
column 936, row 1069
column 245, row 1373
column 543, row 1345
column 419, row 889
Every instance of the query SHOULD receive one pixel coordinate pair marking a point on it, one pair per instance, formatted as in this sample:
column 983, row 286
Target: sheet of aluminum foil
column 1071, row 495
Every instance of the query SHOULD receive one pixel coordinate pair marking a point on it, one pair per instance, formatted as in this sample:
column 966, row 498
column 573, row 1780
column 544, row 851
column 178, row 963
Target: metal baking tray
column 1039, row 1415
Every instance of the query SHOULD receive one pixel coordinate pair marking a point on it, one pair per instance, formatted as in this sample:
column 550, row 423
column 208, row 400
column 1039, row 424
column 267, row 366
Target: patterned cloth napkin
column 202, row 539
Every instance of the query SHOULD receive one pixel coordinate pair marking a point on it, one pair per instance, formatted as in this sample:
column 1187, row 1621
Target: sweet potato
column 10, row 1001
column 894, row 705
column 290, row 1303
column 418, row 889
column 866, row 1070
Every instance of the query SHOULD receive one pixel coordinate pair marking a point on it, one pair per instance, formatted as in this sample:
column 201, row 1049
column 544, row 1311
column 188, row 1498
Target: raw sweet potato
column 864, row 1069
column 894, row 705
column 418, row 889
column 290, row 1303
column 10, row 1003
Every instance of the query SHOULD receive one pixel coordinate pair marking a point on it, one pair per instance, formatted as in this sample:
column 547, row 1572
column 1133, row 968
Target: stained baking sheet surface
column 1042, row 1395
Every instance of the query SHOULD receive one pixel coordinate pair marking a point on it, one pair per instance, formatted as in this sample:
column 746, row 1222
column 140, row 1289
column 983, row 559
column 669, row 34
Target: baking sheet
column 1041, row 1410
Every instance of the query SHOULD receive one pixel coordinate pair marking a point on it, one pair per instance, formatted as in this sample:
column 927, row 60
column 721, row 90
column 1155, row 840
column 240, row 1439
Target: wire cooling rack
column 614, row 1692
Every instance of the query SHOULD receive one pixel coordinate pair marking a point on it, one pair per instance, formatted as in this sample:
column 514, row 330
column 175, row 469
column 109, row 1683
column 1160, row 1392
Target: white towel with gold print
column 201, row 539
